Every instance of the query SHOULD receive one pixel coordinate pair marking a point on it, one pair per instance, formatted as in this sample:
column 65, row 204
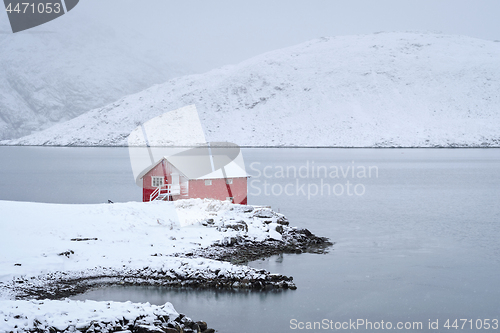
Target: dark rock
column 242, row 208
column 263, row 213
column 208, row 330
column 179, row 318
column 148, row 329
column 82, row 239
column 66, row 253
column 195, row 327
column 240, row 225
column 307, row 232
column 283, row 221
column 203, row 325
column 170, row 330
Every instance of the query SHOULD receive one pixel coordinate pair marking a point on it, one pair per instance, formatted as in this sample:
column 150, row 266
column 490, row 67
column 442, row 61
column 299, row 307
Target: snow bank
column 70, row 315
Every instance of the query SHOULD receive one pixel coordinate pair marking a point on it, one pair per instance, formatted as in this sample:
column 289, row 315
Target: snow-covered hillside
column 67, row 67
column 388, row 89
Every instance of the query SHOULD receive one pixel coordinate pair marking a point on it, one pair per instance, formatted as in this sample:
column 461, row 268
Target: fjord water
column 420, row 243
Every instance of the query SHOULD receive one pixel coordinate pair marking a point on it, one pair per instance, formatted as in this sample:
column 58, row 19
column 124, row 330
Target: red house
column 172, row 179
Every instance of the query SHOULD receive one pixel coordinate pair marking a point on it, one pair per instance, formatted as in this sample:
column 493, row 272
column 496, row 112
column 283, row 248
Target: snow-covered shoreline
column 77, row 247
column 92, row 316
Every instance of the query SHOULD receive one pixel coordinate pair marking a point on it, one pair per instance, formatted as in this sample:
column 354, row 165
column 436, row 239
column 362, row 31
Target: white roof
column 230, row 170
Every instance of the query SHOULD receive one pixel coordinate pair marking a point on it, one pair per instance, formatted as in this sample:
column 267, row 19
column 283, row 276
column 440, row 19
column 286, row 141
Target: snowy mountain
column 60, row 70
column 388, row 89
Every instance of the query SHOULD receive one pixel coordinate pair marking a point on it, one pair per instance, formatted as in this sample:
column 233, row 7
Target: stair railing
column 163, row 189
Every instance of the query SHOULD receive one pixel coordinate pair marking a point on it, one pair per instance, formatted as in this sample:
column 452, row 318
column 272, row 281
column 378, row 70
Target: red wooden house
column 172, row 179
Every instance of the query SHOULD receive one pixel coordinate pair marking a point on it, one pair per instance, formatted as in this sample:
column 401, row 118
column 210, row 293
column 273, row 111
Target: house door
column 176, row 189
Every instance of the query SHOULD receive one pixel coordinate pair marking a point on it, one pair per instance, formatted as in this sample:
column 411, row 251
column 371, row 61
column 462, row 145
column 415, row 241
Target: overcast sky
column 211, row 33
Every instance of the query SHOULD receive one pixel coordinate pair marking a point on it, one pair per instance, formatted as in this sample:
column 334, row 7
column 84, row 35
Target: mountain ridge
column 379, row 90
column 56, row 72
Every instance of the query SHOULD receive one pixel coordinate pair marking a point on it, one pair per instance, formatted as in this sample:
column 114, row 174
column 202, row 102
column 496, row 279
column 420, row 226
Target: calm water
column 420, row 243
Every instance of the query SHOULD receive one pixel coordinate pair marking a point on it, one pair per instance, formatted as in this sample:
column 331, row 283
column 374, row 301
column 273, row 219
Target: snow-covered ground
column 387, row 89
column 43, row 244
column 83, row 237
column 67, row 315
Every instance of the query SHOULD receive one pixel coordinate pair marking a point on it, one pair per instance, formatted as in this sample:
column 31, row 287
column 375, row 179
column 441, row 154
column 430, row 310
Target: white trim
column 211, row 157
column 153, row 178
column 208, row 182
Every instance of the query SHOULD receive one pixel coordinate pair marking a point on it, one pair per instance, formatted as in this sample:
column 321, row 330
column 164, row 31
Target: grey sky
column 208, row 34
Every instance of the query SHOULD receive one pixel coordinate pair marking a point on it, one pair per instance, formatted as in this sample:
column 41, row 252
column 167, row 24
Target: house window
column 208, row 182
column 156, row 181
column 230, row 199
column 229, row 181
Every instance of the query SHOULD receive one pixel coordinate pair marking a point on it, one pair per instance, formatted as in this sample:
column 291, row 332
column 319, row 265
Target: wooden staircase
column 164, row 193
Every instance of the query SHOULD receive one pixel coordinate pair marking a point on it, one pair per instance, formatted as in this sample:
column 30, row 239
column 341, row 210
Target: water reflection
column 160, row 295
column 224, row 310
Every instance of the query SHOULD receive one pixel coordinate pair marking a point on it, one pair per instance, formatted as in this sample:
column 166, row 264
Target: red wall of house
column 147, row 187
column 219, row 190
column 157, row 171
column 146, row 194
column 197, row 188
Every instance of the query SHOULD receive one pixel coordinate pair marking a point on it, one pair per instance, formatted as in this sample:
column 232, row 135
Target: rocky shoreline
column 242, row 251
column 57, row 287
column 105, row 317
column 160, row 324
column 246, row 233
column 235, row 251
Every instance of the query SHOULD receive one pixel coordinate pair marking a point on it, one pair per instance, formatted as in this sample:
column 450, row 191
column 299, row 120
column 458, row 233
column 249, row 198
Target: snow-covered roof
column 231, row 170
column 149, row 168
column 192, row 166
